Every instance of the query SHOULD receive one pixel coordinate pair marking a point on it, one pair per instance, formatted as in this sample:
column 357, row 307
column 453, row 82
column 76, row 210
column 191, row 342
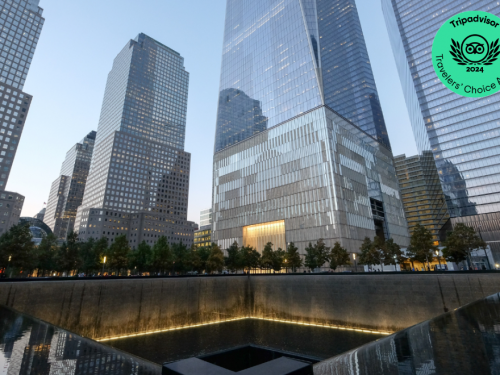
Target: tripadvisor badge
column 466, row 53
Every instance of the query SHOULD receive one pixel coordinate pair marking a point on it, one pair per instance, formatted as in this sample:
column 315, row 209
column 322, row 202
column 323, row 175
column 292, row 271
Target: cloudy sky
column 79, row 41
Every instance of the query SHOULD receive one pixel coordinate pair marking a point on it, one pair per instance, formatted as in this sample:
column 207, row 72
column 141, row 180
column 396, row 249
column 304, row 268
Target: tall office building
column 203, row 236
column 462, row 133
column 301, row 147
column 66, row 193
column 21, row 23
column 421, row 191
column 283, row 58
column 138, row 182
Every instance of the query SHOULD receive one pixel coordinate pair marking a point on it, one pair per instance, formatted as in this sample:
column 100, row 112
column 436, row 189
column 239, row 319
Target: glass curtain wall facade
column 300, row 135
column 462, row 133
column 421, row 191
column 318, row 173
column 66, row 193
column 138, row 182
column 282, row 58
column 21, row 23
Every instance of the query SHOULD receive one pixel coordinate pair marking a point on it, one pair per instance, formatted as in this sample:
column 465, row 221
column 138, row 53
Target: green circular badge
column 466, row 53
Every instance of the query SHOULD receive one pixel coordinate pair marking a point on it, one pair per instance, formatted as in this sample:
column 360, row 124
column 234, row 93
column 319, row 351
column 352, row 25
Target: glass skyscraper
column 66, row 193
column 21, row 23
column 301, row 147
column 462, row 133
column 138, row 182
column 283, row 58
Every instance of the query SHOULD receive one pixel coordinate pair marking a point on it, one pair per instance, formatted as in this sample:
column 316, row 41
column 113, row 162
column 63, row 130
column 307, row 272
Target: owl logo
column 475, row 50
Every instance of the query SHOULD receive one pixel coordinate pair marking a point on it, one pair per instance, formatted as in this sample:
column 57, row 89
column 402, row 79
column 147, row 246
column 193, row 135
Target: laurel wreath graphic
column 492, row 56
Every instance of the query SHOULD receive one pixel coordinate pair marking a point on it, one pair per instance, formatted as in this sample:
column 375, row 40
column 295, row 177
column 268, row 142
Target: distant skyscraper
column 262, row 84
column 203, row 236
column 423, row 197
column 21, row 23
column 138, row 183
column 301, row 147
column 66, row 193
column 206, row 218
column 462, row 133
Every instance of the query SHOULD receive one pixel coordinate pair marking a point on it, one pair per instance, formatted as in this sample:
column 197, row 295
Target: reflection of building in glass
column 138, row 182
column 66, row 193
column 28, row 346
column 21, row 25
column 423, row 197
column 323, row 166
column 462, row 133
column 285, row 58
column 257, row 236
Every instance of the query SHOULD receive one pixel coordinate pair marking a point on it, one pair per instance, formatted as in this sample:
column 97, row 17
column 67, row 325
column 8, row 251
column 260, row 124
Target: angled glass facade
column 282, row 58
column 462, row 133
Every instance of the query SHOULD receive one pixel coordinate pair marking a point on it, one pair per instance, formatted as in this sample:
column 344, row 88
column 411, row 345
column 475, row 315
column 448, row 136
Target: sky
column 75, row 53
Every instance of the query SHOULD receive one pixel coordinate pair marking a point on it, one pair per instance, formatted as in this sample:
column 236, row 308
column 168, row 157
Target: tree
column 421, row 245
column 278, row 259
column 119, row 254
column 461, row 242
column 267, row 257
column 338, row 257
column 249, row 257
column 46, row 258
column 180, row 257
column 141, row 258
column 371, row 252
column 317, row 255
column 162, row 255
column 393, row 253
column 232, row 260
column 92, row 253
column 68, row 257
column 215, row 261
column 17, row 245
column 292, row 257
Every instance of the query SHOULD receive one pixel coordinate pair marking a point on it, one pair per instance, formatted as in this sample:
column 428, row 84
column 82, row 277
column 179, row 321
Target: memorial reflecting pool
column 316, row 342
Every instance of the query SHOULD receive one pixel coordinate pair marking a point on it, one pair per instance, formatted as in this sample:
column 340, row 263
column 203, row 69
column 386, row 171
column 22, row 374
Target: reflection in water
column 310, row 341
column 465, row 341
column 28, row 346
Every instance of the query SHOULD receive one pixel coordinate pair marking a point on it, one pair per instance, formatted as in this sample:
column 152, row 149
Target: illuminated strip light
column 244, row 318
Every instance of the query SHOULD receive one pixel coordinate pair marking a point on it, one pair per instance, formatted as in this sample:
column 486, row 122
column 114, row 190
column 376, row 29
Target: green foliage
column 92, row 253
column 16, row 245
column 140, row 259
column 249, row 258
column 215, row 261
column 162, row 256
column 292, row 257
column 338, row 257
column 46, row 255
column 119, row 254
column 180, row 257
column 422, row 246
column 371, row 252
column 393, row 253
column 461, row 242
column 278, row 259
column 233, row 261
column 317, row 255
column 267, row 257
column 68, row 255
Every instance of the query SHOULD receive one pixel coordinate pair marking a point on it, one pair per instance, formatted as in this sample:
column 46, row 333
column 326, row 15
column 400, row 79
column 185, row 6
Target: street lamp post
column 103, row 263
column 355, row 263
column 439, row 259
column 395, row 268
column 8, row 267
column 286, row 265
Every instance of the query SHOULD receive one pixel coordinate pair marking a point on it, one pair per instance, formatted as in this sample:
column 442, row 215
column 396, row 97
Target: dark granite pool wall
column 108, row 308
column 104, row 308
